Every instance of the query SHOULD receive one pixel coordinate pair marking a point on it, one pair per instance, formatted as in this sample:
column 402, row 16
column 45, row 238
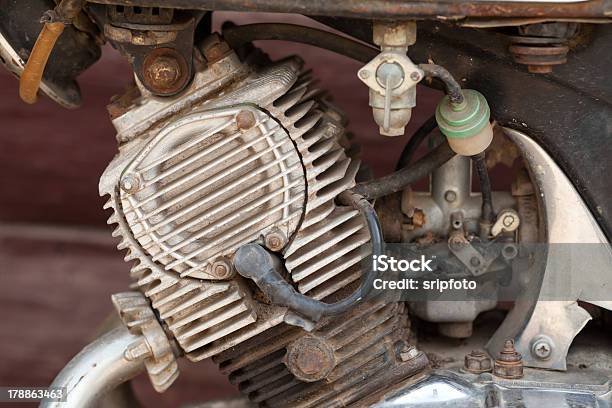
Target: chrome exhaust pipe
column 97, row 370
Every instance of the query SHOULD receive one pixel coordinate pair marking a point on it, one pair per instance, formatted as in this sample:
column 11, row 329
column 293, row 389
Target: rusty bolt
column 275, row 240
column 164, row 71
column 477, row 362
column 509, row 363
column 408, row 352
column 216, row 51
column 130, row 183
column 418, row 218
column 245, row 120
column 310, row 358
column 222, row 269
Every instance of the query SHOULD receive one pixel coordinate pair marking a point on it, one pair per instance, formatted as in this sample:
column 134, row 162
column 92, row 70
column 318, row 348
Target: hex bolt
column 245, row 120
column 216, row 51
column 222, row 269
column 130, row 183
column 275, row 240
column 163, row 72
column 450, row 196
column 408, row 352
column 542, row 348
column 477, row 362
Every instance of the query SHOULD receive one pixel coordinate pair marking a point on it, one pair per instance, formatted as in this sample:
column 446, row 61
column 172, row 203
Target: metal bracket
column 568, row 221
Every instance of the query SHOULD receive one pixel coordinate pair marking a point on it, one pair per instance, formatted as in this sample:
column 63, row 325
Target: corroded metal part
column 350, row 358
column 509, row 363
column 154, row 348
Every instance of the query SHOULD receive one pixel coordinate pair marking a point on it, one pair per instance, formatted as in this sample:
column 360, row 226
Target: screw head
column 450, row 196
column 508, row 220
column 474, row 261
column 245, row 120
column 364, row 74
column 415, row 76
column 542, row 349
column 130, row 183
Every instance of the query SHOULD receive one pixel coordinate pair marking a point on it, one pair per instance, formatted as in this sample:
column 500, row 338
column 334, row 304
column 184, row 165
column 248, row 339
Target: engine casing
column 244, row 154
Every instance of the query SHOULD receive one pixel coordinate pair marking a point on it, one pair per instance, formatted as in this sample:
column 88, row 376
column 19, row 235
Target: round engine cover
column 209, row 182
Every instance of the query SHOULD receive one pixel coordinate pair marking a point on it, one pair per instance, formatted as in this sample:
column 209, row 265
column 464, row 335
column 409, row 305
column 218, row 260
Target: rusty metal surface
column 381, row 9
column 350, row 358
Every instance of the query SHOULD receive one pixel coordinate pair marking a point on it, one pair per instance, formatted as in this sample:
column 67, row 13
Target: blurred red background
column 58, row 264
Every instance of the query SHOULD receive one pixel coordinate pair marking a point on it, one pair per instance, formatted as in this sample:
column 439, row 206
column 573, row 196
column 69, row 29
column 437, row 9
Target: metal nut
column 477, row 362
column 275, row 240
column 222, row 269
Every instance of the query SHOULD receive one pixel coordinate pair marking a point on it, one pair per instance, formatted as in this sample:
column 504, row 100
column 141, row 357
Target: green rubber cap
column 464, row 120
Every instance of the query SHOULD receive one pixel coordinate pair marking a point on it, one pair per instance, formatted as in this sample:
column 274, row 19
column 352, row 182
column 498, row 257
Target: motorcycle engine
column 252, row 152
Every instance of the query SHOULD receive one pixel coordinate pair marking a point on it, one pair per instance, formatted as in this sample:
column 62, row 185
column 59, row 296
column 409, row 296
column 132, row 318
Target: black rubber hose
column 453, row 89
column 254, row 262
column 415, row 141
column 240, row 35
column 480, row 161
column 400, row 179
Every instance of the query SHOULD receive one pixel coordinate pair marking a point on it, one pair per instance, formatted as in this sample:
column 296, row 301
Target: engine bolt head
column 474, row 261
column 415, row 76
column 310, row 358
column 130, row 183
column 222, row 269
column 477, row 362
column 450, row 196
column 164, row 71
column 275, row 240
column 245, row 120
column 215, row 51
